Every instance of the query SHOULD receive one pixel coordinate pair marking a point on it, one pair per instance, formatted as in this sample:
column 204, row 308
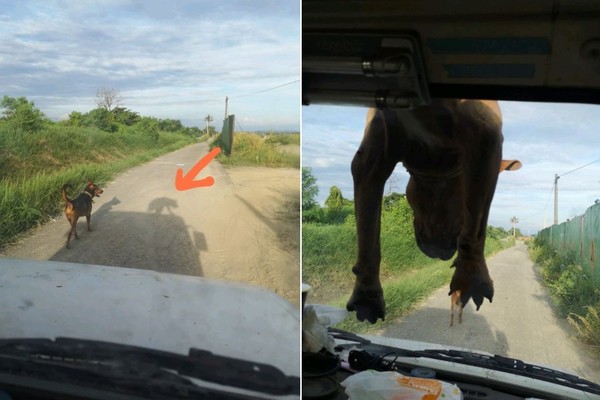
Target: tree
column 150, row 127
column 389, row 200
column 125, row 116
column 75, row 119
column 108, row 98
column 335, row 200
column 101, row 119
column 170, row 125
column 310, row 190
column 392, row 182
column 208, row 119
column 514, row 221
column 22, row 113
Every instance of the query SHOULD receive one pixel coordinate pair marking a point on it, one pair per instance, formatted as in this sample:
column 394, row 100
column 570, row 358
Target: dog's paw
column 475, row 285
column 368, row 303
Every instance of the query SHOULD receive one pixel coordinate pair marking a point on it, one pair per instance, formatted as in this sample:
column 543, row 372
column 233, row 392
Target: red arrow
column 187, row 181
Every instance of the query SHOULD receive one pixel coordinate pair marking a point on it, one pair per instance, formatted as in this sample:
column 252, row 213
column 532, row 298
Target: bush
column 252, row 150
column 22, row 114
column 588, row 326
column 575, row 293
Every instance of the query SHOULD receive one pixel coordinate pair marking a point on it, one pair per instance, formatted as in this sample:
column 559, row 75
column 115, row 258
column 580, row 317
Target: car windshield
column 150, row 176
column 540, row 251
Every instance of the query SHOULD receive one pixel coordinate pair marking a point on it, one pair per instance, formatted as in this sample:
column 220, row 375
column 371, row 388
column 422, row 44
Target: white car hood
column 149, row 309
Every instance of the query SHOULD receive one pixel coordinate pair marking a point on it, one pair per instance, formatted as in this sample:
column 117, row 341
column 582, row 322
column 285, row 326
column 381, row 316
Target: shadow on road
column 156, row 240
column 289, row 209
column 474, row 332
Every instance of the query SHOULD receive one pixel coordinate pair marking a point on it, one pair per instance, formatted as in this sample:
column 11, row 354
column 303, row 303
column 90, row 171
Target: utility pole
column 208, row 120
column 226, row 101
column 556, row 199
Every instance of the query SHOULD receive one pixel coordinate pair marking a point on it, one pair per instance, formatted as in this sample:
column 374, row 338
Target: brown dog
column 455, row 303
column 80, row 206
column 452, row 150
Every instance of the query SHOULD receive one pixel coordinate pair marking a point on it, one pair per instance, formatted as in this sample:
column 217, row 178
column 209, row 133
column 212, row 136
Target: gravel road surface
column 520, row 323
column 244, row 228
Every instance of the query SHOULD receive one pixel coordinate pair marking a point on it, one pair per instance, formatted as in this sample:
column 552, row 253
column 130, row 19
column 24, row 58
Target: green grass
column 35, row 165
column 404, row 291
column 402, row 295
column 329, row 249
column 258, row 150
column 588, row 326
column 575, row 294
column 58, row 147
column 284, row 138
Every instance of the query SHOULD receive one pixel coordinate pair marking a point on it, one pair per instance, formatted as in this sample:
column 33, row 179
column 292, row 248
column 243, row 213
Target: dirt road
column 244, row 228
column 520, row 323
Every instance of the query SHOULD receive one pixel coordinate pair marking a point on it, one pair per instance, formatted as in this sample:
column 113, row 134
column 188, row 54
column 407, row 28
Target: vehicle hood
column 45, row 299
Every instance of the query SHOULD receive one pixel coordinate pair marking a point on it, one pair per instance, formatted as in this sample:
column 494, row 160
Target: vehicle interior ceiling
column 541, row 50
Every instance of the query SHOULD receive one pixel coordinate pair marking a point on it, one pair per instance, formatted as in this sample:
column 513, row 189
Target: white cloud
column 55, row 52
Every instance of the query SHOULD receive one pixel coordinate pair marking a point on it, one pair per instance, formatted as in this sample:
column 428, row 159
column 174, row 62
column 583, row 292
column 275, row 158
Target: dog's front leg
column 482, row 166
column 370, row 169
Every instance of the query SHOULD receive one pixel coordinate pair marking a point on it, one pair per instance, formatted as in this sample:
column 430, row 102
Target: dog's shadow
column 160, row 204
column 157, row 239
column 106, row 207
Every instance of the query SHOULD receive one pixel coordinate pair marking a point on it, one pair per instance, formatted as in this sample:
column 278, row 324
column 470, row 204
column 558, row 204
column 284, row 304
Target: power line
column 264, row 90
column 238, row 124
column 576, row 169
column 528, row 217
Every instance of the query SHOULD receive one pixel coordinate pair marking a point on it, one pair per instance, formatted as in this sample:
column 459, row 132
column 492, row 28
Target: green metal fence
column 581, row 235
column 226, row 140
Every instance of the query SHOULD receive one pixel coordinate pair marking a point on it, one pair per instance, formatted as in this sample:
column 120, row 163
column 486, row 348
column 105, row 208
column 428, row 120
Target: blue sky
column 546, row 138
column 169, row 59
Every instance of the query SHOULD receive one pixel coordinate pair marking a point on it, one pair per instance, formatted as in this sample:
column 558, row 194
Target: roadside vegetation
column 263, row 150
column 575, row 294
column 329, row 248
column 39, row 156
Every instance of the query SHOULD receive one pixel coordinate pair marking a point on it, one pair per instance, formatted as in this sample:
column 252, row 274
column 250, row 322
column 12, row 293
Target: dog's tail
column 66, row 198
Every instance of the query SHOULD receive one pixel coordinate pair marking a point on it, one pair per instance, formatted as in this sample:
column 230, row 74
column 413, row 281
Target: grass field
column 251, row 149
column 35, row 165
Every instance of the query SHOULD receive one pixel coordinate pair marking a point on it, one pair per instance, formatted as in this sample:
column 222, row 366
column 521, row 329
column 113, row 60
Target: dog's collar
column 89, row 194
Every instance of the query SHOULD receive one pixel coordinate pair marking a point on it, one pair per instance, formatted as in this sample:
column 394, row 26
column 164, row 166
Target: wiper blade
column 513, row 366
column 348, row 336
column 372, row 355
column 100, row 358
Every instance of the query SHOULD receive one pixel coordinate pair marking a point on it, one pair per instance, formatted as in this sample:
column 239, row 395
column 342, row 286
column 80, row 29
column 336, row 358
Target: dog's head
column 439, row 208
column 93, row 189
column 437, row 213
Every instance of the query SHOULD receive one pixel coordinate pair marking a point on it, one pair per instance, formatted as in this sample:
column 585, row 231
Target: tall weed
column 255, row 150
column 588, row 326
column 574, row 291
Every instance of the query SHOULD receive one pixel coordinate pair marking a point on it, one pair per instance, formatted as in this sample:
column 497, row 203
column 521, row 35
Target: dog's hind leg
column 72, row 230
column 452, row 310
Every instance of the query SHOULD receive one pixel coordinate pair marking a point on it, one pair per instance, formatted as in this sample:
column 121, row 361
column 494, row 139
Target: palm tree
column 208, row 120
column 514, row 221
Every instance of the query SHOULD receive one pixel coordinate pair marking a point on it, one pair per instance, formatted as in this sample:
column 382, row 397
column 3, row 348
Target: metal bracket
column 373, row 70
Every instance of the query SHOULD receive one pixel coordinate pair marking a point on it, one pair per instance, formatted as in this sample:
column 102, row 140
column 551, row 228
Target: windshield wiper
column 375, row 356
column 125, row 367
column 513, row 366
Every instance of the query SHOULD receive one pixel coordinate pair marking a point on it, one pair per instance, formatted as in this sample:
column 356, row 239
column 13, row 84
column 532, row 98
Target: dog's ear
column 90, row 183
